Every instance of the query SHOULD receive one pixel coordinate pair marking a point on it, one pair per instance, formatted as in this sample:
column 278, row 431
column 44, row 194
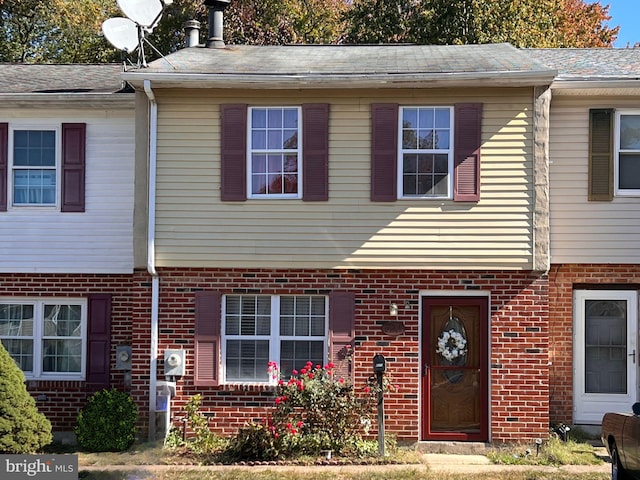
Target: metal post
column 380, row 415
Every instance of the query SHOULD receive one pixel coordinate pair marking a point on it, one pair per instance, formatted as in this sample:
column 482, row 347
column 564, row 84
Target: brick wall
column 563, row 279
column 519, row 335
column 61, row 401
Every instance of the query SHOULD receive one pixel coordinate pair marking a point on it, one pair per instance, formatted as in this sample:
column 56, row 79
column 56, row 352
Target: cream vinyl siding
column 583, row 231
column 194, row 228
column 100, row 240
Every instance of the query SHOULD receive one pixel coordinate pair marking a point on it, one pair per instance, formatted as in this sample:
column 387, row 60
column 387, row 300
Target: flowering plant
column 451, row 345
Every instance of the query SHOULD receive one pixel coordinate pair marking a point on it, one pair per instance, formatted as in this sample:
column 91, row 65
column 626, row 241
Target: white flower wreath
column 451, row 345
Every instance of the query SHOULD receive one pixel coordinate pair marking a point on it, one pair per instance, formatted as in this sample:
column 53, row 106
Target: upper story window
column 274, row 152
column 46, row 338
column 42, row 167
column 627, row 145
column 290, row 330
column 426, row 152
column 34, row 168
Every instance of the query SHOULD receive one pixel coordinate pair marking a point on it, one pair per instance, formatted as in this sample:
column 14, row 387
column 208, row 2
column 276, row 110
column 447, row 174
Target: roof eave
column 68, row 100
column 304, row 81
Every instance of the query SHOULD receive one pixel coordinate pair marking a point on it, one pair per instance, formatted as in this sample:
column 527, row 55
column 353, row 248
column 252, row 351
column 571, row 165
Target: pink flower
column 318, row 367
column 341, row 380
column 294, row 372
column 303, row 371
column 310, row 375
column 299, row 424
column 330, row 365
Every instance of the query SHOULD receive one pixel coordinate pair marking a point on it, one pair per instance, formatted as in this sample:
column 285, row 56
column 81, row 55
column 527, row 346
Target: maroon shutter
column 233, row 159
column 99, row 340
column 342, row 309
column 466, row 159
column 4, row 169
column 207, row 341
column 384, row 152
column 315, row 152
column 73, row 166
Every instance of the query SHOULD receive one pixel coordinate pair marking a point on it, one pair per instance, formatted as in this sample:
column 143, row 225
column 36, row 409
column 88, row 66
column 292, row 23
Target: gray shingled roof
column 590, row 63
column 60, row 79
column 347, row 59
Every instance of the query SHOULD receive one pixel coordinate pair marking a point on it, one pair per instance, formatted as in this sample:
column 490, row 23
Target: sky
column 626, row 14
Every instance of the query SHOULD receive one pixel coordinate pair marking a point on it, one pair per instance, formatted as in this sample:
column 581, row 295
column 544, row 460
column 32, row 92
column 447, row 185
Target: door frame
column 589, row 408
column 485, row 433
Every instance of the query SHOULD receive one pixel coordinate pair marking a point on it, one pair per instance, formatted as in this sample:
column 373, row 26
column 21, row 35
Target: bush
column 23, row 429
column 107, row 423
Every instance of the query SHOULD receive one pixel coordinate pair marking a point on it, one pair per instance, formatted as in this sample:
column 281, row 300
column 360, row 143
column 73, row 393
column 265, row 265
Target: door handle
column 633, row 354
column 426, row 369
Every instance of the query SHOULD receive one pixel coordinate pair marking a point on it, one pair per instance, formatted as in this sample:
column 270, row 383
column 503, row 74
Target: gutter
column 151, row 256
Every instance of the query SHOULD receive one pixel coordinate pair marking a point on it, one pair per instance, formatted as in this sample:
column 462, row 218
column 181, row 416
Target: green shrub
column 107, row 423
column 203, row 441
column 23, row 429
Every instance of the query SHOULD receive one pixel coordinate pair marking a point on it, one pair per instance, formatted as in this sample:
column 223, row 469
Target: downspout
column 151, row 255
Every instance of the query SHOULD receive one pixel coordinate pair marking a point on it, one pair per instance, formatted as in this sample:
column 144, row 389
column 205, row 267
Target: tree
column 523, row 23
column 23, row 429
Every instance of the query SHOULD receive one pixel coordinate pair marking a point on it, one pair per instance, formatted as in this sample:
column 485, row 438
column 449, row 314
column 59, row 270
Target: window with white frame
column 275, row 152
column 34, row 167
column 627, row 164
column 290, row 330
column 46, row 338
column 426, row 152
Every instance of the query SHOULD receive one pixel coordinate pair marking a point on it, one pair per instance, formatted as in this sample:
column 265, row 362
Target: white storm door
column 604, row 353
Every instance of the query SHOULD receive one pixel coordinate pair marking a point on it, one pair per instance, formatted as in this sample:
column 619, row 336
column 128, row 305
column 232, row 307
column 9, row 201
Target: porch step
column 460, row 448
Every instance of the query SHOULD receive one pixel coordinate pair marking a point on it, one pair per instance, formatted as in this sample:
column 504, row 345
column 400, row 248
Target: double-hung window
column 275, row 152
column 426, row 152
column 289, row 329
column 46, row 338
column 34, row 167
column 627, row 153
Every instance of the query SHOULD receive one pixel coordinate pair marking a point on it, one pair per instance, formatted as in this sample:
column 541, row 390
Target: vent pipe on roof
column 216, row 21
column 191, row 33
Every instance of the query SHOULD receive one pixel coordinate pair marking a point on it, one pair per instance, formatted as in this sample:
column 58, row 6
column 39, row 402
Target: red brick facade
column 518, row 352
column 563, row 280
column 519, row 339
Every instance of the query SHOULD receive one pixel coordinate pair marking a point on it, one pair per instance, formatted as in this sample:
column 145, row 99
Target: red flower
column 341, row 380
column 318, row 367
column 367, row 389
column 310, row 375
column 330, row 365
column 294, row 372
column 303, row 371
column 299, row 424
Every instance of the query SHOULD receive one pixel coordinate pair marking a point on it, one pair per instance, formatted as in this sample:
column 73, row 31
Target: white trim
column 37, row 126
column 618, row 192
column 454, row 293
column 38, row 334
column 250, row 150
column 418, row 151
column 274, row 338
column 588, row 408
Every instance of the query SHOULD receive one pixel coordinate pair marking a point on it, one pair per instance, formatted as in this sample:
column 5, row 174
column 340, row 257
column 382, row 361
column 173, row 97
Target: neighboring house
column 66, row 242
column 305, row 199
column 595, row 232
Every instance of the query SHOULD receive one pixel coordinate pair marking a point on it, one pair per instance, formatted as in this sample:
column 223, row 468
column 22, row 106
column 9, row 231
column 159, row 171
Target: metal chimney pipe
column 216, row 22
column 191, row 33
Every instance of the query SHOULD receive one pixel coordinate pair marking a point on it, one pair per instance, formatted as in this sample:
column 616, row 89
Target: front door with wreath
column 454, row 368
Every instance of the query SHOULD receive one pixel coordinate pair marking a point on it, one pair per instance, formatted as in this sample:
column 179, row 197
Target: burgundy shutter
column 99, row 340
column 384, row 152
column 233, row 159
column 342, row 309
column 600, row 155
column 73, row 166
column 4, row 169
column 315, row 152
column 207, row 341
column 466, row 153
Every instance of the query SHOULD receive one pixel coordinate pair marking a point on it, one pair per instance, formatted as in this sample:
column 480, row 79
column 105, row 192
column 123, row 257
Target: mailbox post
column 379, row 367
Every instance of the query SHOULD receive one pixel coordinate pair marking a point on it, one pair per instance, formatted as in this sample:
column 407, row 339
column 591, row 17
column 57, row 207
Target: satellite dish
column 122, row 33
column 145, row 13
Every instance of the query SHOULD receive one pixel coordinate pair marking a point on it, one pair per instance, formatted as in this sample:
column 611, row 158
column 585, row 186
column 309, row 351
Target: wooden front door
column 454, row 368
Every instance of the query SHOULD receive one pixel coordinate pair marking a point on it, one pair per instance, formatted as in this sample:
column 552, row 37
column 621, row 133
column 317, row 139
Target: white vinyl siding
column 99, row 240
column 584, row 231
column 194, row 228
